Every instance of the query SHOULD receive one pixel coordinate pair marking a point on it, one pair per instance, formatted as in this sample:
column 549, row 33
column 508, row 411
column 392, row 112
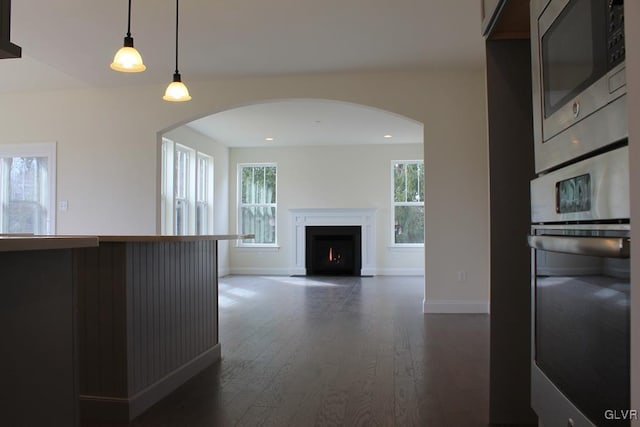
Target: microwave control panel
column 615, row 22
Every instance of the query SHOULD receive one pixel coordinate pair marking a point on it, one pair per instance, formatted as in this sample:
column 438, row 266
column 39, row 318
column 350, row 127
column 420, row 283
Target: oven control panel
column 574, row 194
column 594, row 189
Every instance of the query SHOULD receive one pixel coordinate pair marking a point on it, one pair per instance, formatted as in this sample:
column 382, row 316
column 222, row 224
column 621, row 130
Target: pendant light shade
column 128, row 59
column 177, row 91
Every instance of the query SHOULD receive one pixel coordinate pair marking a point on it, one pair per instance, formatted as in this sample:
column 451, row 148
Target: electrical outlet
column 462, row 276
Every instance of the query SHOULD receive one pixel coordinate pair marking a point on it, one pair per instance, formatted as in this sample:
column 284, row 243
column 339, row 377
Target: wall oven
column 579, row 95
column 580, row 239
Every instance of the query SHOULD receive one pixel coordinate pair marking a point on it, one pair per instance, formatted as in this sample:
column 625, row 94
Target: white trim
column 259, row 271
column 400, row 271
column 190, row 184
column 455, row 306
column 364, row 217
column 251, row 247
column 407, row 247
column 209, row 184
column 166, row 186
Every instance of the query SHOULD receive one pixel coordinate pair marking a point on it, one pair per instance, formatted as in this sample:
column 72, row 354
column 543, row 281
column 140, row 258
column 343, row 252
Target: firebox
column 333, row 250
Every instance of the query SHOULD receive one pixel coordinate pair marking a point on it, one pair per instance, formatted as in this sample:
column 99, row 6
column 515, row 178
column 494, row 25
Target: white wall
column 457, row 204
column 632, row 28
column 108, row 139
column 327, row 177
column 220, row 153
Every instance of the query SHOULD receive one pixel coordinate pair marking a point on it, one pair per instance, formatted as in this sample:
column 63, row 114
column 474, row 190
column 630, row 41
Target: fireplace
column 333, row 250
column 364, row 218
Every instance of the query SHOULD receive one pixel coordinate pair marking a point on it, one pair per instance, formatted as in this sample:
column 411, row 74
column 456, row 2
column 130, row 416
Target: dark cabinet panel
column 38, row 381
column 510, row 170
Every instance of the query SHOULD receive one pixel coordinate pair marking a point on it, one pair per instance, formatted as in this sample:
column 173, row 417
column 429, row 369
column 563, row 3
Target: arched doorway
column 328, row 155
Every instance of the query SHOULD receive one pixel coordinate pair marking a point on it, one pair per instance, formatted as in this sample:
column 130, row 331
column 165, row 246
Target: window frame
column 169, row 191
column 208, row 193
column 394, row 204
column 188, row 198
column 242, row 243
column 41, row 149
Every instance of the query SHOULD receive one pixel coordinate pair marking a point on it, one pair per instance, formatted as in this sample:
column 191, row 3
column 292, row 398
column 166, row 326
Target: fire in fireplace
column 333, row 250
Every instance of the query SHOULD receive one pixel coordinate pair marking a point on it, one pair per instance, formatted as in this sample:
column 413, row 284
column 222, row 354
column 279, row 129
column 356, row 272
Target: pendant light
column 128, row 59
column 176, row 91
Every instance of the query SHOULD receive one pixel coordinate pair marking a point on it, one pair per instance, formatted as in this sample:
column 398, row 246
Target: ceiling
column 308, row 122
column 70, row 43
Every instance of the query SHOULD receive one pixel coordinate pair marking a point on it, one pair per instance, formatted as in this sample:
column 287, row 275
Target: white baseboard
column 265, row 271
column 261, row 271
column 301, row 272
column 400, row 272
column 455, row 306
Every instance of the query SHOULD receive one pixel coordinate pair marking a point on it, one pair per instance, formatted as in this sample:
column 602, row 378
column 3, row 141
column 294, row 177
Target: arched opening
column 333, row 157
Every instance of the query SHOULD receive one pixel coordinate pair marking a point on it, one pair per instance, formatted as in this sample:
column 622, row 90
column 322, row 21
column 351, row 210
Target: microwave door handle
column 607, row 247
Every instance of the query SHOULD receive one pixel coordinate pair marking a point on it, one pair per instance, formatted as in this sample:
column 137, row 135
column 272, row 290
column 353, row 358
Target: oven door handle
column 608, row 247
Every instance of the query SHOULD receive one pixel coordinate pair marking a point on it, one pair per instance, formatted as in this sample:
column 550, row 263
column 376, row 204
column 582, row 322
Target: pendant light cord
column 129, row 21
column 177, row 9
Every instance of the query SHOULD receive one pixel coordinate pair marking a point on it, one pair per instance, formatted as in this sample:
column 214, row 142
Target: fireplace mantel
column 365, row 218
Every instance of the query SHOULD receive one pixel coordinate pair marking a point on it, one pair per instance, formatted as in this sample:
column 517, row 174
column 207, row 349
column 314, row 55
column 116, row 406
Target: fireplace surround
column 362, row 217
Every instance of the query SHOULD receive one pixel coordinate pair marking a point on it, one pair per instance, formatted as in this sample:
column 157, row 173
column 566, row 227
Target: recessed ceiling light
column 269, row 138
column 388, row 136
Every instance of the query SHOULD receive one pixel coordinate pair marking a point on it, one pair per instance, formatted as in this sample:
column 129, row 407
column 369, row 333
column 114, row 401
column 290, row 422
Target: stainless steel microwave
column 579, row 82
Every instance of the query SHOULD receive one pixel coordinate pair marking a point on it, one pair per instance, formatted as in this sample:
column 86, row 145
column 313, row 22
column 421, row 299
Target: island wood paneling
column 101, row 321
column 148, row 322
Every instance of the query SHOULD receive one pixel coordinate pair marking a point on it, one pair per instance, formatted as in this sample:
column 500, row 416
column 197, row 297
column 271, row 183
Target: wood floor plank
column 383, row 391
column 360, row 406
column 333, row 407
column 406, row 412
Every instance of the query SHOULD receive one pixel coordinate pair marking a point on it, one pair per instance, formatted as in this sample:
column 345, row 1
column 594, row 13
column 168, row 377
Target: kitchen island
column 103, row 327
column 38, row 361
column 147, row 319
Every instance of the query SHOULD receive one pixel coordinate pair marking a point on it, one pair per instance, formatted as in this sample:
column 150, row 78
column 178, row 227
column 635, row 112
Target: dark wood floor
column 335, row 352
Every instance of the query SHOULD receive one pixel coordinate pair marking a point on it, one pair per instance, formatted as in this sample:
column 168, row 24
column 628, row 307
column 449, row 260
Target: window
column 187, row 190
column 257, row 203
column 27, row 188
column 202, row 199
column 181, row 193
column 408, row 202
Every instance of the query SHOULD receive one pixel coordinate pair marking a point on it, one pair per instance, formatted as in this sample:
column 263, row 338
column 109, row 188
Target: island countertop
column 170, row 238
column 10, row 243
column 25, row 242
